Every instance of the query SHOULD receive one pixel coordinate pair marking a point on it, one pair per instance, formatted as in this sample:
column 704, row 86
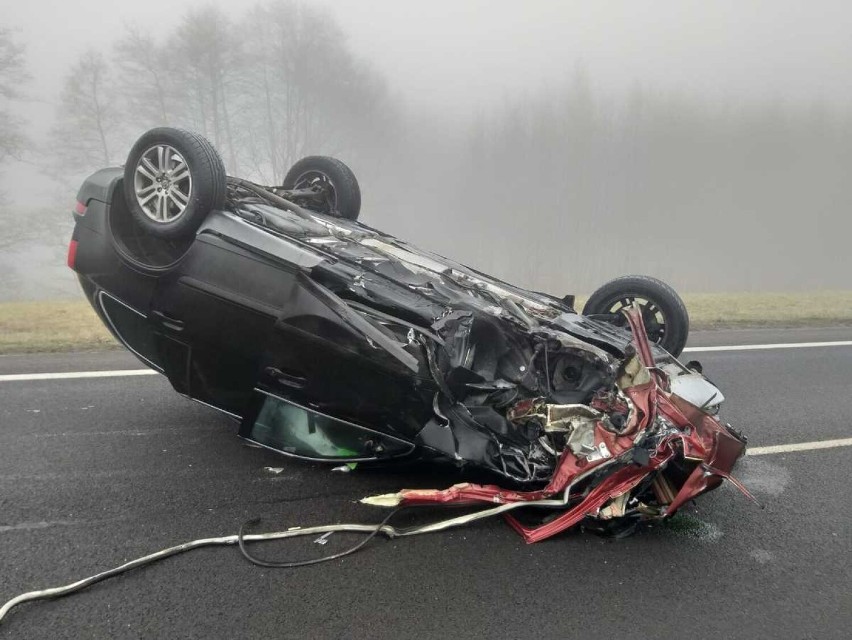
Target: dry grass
column 821, row 308
column 29, row 327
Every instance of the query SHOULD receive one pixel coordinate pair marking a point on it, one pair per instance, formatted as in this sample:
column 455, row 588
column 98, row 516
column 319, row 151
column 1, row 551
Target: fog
column 556, row 144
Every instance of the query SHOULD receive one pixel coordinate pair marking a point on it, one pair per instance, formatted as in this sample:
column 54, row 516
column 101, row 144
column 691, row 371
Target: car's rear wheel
column 663, row 312
column 173, row 178
column 331, row 177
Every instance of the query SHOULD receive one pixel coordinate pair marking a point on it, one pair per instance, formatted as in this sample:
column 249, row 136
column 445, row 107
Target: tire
column 158, row 157
column 346, row 194
column 667, row 306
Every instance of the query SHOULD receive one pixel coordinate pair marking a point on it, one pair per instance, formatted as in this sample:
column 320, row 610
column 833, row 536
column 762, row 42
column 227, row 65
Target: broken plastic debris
column 383, row 500
column 323, row 539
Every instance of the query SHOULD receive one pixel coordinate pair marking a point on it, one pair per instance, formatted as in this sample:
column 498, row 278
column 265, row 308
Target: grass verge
column 733, row 310
column 31, row 327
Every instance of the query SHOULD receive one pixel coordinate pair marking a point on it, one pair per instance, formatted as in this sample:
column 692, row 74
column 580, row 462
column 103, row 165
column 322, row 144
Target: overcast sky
column 458, row 54
column 457, row 57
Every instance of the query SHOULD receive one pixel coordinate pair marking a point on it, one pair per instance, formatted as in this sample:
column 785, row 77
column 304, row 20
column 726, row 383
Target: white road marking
column 799, row 446
column 752, row 451
column 780, row 345
column 70, row 375
column 119, row 373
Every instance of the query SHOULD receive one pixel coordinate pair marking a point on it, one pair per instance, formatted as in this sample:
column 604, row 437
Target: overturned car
column 330, row 340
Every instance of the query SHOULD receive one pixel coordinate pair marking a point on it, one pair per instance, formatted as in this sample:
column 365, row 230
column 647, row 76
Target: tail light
column 79, row 210
column 72, row 254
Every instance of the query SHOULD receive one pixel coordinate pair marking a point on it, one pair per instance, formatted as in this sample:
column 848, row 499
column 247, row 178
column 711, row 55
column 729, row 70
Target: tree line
column 709, row 196
column 267, row 87
column 557, row 190
column 13, row 76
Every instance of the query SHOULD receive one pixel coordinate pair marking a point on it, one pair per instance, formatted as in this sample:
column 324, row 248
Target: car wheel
column 173, row 178
column 343, row 192
column 663, row 312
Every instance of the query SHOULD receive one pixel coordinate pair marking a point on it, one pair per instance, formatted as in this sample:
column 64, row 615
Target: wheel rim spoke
column 652, row 314
column 144, row 171
column 179, row 171
column 653, row 319
column 180, row 197
column 180, row 205
column 162, row 183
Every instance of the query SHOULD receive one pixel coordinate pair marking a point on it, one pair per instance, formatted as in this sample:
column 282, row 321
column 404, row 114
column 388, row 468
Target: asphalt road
column 94, row 472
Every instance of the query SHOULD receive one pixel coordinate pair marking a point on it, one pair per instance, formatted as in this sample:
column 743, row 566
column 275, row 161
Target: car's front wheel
column 663, row 312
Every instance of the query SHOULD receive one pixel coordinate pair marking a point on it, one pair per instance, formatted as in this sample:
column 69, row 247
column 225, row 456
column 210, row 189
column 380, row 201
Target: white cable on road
column 67, row 589
column 383, row 528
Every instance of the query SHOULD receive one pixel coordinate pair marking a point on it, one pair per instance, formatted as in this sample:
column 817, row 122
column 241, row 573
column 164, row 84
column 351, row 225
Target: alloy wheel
column 162, row 183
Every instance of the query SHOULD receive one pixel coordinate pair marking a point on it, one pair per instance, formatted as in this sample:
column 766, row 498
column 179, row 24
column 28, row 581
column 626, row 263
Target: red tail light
column 72, row 254
column 80, row 209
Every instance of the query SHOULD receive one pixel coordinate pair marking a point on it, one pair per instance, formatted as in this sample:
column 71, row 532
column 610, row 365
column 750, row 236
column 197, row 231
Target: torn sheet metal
column 636, row 456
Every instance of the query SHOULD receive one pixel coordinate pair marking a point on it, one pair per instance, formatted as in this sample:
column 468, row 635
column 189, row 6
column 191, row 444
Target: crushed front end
column 613, row 441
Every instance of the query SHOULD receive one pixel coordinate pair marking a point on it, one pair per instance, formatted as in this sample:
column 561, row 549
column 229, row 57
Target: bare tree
column 309, row 92
column 205, row 63
column 33, row 244
column 297, row 90
column 12, row 75
column 87, row 117
column 143, row 78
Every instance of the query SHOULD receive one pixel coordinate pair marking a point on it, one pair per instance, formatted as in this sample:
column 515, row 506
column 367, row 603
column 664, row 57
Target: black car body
column 331, row 340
